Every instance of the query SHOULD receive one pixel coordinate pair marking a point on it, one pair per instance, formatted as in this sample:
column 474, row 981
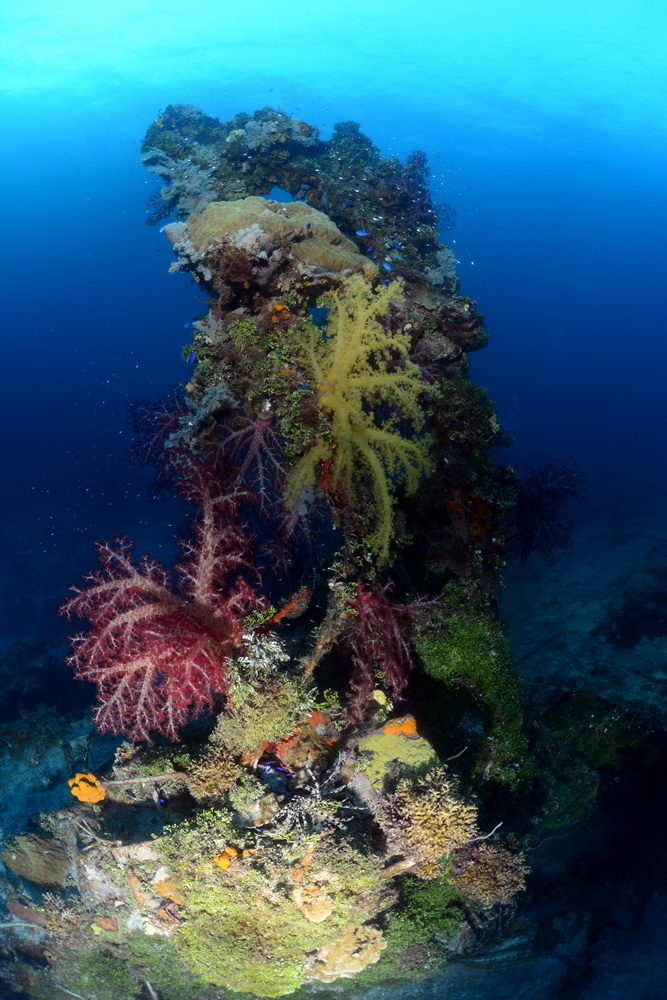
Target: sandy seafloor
column 556, row 617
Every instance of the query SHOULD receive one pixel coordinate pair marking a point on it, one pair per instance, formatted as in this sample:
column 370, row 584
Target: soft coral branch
column 375, row 636
column 158, row 653
column 371, row 397
column 154, row 421
column 256, row 446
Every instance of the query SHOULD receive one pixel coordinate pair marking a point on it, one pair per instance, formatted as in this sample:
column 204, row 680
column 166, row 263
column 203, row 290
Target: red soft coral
column 153, row 422
column 159, row 654
column 256, row 446
column 377, row 643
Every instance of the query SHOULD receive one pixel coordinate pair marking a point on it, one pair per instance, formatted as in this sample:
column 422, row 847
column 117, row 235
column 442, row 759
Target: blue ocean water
column 544, row 126
column 544, row 129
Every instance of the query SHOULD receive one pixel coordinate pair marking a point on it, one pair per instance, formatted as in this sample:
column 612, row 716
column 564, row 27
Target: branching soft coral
column 370, row 393
column 375, row 635
column 153, row 421
column 159, row 654
column 256, row 446
column 431, row 816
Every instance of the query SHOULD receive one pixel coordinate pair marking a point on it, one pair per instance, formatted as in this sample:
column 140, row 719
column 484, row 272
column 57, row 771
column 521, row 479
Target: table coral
column 38, row 859
column 313, row 238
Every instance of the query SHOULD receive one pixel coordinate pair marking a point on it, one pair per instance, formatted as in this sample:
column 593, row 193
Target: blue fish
column 309, row 225
column 192, row 359
column 397, row 245
column 304, row 386
column 387, row 266
column 186, row 325
column 348, row 202
column 361, row 232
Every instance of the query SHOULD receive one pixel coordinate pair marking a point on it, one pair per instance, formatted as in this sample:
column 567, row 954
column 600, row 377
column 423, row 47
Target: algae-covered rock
column 391, row 743
column 39, row 860
column 464, row 647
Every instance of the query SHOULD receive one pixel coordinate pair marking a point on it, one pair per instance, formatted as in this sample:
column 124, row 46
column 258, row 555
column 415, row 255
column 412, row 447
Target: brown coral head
column 489, row 874
column 434, row 818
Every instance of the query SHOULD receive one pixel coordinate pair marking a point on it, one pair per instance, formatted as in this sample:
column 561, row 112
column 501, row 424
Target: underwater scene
column 333, row 597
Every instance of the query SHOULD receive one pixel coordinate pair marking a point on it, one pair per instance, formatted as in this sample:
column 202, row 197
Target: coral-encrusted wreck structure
column 321, row 718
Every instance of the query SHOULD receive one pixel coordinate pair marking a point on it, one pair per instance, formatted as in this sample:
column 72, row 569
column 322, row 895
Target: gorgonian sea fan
column 153, row 421
column 255, row 445
column 158, row 652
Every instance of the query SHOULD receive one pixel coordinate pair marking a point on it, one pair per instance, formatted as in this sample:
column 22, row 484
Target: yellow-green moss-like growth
column 463, row 645
column 261, row 715
column 379, row 750
column 246, row 928
column 370, row 393
column 429, row 915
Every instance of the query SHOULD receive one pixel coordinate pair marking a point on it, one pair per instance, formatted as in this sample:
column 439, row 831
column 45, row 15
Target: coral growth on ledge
column 293, row 801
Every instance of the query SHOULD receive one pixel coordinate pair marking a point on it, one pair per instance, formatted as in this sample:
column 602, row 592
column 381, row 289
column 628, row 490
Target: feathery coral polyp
column 158, row 653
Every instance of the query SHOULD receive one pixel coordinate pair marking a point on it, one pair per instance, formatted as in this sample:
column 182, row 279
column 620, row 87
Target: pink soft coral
column 159, row 654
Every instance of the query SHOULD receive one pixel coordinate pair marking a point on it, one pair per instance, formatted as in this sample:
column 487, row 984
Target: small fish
column 304, row 386
column 309, row 225
column 186, row 324
column 192, row 359
column 361, row 232
column 387, row 266
column 397, row 245
column 348, row 202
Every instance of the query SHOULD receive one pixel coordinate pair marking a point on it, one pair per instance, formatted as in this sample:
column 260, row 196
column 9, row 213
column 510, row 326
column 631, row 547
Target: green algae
column 463, row 645
column 379, row 750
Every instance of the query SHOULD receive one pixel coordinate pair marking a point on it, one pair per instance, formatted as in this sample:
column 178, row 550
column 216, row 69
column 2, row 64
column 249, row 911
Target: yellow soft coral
column 369, row 392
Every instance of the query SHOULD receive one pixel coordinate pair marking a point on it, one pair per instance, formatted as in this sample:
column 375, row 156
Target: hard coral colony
column 315, row 828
